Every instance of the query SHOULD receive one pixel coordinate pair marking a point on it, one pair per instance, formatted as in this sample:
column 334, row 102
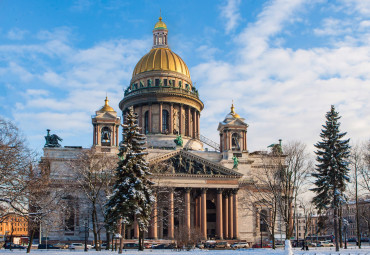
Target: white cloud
column 16, row 34
column 21, row 72
column 37, row 92
column 285, row 93
column 255, row 37
column 360, row 6
column 281, row 92
column 333, row 27
column 81, row 5
column 62, row 96
column 230, row 12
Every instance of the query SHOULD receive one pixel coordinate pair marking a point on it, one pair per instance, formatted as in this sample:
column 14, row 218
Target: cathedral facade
column 207, row 190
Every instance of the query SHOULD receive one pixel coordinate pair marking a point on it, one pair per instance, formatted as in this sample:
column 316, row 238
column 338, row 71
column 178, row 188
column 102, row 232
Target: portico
column 196, row 196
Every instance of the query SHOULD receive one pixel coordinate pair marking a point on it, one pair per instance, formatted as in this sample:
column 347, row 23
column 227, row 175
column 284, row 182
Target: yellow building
column 13, row 225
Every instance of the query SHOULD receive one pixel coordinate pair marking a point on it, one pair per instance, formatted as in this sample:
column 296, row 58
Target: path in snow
column 316, row 251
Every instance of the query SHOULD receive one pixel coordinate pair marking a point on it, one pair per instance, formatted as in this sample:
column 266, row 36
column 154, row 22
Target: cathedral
column 212, row 179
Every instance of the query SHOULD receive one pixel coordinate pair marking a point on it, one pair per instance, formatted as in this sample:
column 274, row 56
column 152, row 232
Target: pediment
column 233, row 123
column 107, row 115
column 186, row 163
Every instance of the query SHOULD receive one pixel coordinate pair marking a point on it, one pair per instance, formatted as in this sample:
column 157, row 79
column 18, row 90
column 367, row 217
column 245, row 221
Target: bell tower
column 106, row 129
column 233, row 135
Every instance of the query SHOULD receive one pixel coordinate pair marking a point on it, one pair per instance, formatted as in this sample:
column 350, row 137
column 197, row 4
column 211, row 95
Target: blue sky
column 283, row 62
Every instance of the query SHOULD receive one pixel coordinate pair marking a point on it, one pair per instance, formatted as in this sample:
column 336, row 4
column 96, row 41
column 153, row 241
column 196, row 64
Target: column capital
column 219, row 190
column 226, row 193
column 234, row 191
column 187, row 190
column 204, row 190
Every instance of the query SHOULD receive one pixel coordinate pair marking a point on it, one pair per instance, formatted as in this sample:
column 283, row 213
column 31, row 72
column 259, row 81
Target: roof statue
column 276, row 148
column 236, row 162
column 52, row 140
column 179, row 141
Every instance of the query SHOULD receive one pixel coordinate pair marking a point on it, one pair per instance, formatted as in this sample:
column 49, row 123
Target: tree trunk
column 336, row 227
column 290, row 218
column 108, row 239
column 357, row 212
column 30, row 241
column 141, row 240
column 340, row 227
column 121, row 238
column 273, row 225
column 94, row 228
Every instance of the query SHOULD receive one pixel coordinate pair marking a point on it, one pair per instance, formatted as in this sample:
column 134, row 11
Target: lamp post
column 86, row 233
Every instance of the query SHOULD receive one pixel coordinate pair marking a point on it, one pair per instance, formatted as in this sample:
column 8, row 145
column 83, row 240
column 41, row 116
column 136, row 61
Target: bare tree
column 308, row 210
column 15, row 161
column 94, row 173
column 265, row 192
column 358, row 169
column 364, row 172
column 293, row 177
column 45, row 202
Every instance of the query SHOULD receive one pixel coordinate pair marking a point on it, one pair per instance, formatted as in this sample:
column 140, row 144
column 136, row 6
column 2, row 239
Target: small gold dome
column 161, row 59
column 106, row 107
column 233, row 113
column 160, row 24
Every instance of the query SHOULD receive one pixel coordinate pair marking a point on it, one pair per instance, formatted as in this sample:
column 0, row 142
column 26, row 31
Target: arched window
column 165, row 121
column 105, row 136
column 146, row 122
column 235, row 142
column 263, row 221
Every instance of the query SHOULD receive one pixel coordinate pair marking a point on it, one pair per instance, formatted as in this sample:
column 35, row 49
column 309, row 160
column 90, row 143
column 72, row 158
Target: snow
column 296, row 251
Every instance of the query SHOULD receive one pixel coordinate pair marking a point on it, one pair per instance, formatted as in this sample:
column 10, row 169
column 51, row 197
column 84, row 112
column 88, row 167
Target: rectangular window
column 157, row 82
column 165, row 82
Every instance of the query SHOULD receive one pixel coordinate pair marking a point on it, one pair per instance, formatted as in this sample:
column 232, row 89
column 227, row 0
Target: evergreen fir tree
column 332, row 168
column 132, row 194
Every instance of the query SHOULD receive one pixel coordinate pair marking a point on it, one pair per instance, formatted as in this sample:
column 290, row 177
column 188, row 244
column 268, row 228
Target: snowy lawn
column 316, row 251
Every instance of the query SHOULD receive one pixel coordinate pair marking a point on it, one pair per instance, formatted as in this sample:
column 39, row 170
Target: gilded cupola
column 106, row 107
column 161, row 59
column 163, row 95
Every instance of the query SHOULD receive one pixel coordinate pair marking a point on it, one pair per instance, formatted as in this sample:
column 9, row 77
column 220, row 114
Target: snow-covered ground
column 313, row 251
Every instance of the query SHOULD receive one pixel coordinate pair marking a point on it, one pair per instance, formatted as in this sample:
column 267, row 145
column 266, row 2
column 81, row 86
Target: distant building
column 13, row 227
column 327, row 231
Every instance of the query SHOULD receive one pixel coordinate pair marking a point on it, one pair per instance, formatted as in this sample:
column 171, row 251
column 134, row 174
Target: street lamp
column 86, row 233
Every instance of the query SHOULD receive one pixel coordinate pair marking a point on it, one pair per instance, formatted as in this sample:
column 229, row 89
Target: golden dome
column 161, row 59
column 106, row 107
column 160, row 24
column 233, row 113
